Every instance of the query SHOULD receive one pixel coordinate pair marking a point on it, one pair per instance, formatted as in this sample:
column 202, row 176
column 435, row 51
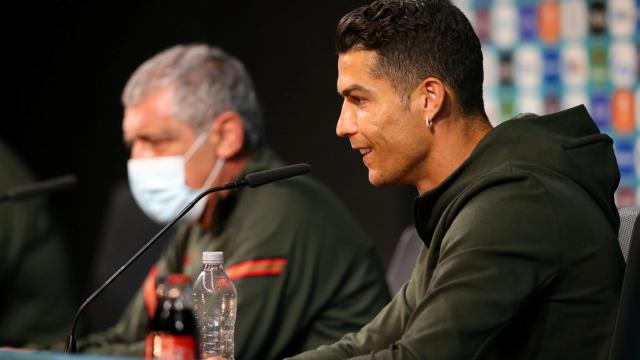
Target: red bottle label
column 162, row 346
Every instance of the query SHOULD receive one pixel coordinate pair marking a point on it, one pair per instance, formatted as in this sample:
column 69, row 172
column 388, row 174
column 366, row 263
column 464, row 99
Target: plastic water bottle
column 214, row 303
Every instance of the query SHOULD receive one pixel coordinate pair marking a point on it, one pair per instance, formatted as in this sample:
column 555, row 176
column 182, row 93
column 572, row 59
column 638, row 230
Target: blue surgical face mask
column 159, row 188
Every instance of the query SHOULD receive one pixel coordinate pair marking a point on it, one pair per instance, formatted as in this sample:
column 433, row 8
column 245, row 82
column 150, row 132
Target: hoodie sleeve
column 384, row 329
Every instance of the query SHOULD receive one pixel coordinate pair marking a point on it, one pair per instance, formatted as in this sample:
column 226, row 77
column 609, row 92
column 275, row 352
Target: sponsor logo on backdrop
column 528, row 29
column 637, row 111
column 638, row 30
column 506, row 69
column 625, row 196
column 551, row 66
column 507, row 106
column 528, row 66
column 530, row 102
column 621, row 17
column 597, row 17
column 637, row 160
column 491, row 67
column 504, row 24
column 549, row 22
column 551, row 103
column 483, row 25
column 622, row 112
column 622, row 64
column 598, row 58
column 491, row 108
column 573, row 19
column 625, row 156
column 638, row 56
column 575, row 97
column 574, row 65
column 600, row 110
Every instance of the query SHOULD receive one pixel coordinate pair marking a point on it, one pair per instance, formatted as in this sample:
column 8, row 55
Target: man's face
column 151, row 130
column 389, row 132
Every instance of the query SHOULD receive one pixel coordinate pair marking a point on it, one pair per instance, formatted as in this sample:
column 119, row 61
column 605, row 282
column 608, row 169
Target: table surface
column 48, row 355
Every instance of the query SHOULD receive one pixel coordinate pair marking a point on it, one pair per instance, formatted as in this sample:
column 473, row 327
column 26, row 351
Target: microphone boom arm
column 70, row 346
column 255, row 179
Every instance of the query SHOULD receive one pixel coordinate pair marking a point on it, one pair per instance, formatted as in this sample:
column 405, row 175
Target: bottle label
column 149, row 291
column 162, row 346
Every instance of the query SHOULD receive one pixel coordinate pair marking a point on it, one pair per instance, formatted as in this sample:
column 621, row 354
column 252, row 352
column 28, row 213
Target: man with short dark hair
column 521, row 259
column 304, row 270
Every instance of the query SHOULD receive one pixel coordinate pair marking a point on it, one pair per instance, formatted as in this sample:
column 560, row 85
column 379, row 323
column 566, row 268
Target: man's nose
column 347, row 124
column 141, row 149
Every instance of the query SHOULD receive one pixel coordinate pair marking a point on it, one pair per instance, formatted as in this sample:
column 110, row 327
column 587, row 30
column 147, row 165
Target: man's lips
column 364, row 152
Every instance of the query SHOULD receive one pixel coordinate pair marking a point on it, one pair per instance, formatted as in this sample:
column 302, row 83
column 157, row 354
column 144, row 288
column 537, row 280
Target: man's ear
column 432, row 93
column 227, row 133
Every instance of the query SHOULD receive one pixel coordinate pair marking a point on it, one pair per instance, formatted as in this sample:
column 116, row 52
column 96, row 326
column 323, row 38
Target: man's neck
column 232, row 168
column 453, row 141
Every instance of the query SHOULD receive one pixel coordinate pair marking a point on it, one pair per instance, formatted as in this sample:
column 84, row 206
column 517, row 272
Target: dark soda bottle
column 172, row 332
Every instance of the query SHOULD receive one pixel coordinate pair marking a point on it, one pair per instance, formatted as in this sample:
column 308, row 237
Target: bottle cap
column 212, row 257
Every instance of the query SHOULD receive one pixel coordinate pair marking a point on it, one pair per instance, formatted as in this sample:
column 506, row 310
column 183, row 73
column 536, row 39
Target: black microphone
column 267, row 176
column 252, row 180
column 38, row 188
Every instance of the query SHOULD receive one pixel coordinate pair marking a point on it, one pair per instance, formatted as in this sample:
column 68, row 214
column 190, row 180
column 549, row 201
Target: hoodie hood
column 567, row 143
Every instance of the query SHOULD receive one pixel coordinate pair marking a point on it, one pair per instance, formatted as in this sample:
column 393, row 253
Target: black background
column 66, row 63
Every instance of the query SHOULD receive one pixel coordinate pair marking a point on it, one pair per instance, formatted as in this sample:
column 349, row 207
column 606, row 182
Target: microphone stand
column 70, row 345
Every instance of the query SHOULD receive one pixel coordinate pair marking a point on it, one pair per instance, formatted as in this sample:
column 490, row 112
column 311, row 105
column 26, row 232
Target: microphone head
column 38, row 188
column 266, row 176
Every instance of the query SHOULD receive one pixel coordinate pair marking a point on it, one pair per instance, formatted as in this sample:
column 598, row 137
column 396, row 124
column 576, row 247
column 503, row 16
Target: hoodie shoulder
column 570, row 123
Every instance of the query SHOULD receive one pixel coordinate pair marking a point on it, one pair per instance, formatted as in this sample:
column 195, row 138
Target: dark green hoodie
column 521, row 259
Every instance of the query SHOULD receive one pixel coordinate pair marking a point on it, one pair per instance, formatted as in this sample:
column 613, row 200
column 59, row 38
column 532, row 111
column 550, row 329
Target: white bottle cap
column 212, row 257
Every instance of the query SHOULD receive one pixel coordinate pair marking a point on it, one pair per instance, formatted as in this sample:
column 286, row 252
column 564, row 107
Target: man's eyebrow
column 349, row 89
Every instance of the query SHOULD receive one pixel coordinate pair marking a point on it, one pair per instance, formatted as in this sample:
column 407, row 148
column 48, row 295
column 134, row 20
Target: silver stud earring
column 429, row 122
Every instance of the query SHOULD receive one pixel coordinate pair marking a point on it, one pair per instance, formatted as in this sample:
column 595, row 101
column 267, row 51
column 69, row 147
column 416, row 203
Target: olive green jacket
column 521, row 259
column 304, row 270
column 34, row 274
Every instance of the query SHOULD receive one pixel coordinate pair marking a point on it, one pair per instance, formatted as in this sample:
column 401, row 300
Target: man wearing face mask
column 304, row 270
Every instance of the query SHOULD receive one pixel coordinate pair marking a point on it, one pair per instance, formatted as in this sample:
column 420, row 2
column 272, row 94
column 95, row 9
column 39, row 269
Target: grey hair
column 205, row 82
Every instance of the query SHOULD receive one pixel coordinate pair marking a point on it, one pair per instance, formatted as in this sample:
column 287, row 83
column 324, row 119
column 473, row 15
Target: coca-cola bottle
column 172, row 332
